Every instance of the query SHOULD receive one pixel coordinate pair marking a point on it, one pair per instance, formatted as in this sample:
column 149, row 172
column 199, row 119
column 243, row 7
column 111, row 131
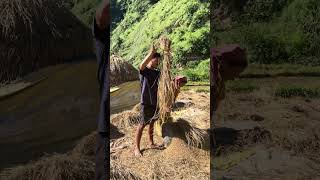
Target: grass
column 294, row 91
column 205, row 90
column 185, row 22
column 285, row 34
column 199, row 71
column 198, row 83
column 270, row 70
column 197, row 86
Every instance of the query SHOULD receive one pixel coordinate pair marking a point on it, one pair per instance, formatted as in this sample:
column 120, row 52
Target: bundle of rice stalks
column 118, row 172
column 194, row 136
column 55, row 167
column 126, row 119
column 166, row 94
column 121, row 71
column 37, row 33
column 86, row 146
column 194, row 124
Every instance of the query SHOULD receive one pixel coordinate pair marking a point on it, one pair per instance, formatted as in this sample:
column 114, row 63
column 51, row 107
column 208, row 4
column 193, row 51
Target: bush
column 286, row 31
column 199, row 73
column 305, row 13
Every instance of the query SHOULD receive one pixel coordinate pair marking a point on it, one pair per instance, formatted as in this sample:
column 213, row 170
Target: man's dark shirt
column 102, row 43
column 149, row 86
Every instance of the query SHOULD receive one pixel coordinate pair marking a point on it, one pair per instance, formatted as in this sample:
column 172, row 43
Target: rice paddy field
column 267, row 126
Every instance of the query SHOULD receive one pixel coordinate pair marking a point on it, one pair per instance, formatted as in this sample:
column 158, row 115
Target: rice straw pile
column 119, row 172
column 38, row 33
column 165, row 88
column 54, row 167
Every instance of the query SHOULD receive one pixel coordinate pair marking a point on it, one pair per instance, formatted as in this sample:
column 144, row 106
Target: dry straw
column 126, row 119
column 37, row 33
column 166, row 95
column 121, row 71
column 54, row 167
column 119, row 172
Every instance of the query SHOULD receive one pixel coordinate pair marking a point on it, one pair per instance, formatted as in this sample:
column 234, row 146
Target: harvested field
column 186, row 157
column 263, row 135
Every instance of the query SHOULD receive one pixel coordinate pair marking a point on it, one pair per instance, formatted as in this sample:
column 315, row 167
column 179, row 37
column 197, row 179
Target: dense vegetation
column 85, row 9
column 185, row 22
column 273, row 31
column 136, row 24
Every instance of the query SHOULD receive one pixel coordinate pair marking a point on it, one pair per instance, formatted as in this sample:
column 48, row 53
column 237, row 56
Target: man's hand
column 103, row 14
column 148, row 58
column 152, row 50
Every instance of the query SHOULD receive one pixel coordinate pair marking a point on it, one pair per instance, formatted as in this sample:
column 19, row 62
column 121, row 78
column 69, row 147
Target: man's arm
column 103, row 15
column 147, row 59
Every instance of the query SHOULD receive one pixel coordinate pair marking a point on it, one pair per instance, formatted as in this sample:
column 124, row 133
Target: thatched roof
column 37, row 33
column 121, row 71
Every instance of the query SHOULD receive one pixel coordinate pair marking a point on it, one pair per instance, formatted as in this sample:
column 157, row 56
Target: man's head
column 155, row 61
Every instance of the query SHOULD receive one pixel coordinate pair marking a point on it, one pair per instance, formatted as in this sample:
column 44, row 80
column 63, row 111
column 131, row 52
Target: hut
column 121, row 71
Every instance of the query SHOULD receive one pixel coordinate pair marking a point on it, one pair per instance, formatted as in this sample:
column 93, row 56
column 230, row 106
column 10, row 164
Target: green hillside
column 85, row 9
column 273, row 31
column 185, row 22
column 138, row 23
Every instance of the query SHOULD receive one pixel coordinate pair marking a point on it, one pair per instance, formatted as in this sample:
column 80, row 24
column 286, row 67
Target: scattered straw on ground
column 55, row 167
column 179, row 160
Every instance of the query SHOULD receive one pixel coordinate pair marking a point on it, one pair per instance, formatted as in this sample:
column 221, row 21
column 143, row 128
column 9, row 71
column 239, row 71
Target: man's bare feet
column 137, row 152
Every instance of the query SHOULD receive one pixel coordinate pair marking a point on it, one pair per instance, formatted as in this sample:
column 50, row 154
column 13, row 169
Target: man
column 149, row 77
column 101, row 33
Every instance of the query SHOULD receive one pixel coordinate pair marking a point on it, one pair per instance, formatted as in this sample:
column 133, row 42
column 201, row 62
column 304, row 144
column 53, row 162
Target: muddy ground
column 263, row 136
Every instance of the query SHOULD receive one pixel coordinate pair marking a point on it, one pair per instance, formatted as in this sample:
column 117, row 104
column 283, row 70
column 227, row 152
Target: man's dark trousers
column 102, row 43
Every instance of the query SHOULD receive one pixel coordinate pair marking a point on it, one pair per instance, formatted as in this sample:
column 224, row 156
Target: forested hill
column 85, row 9
column 273, row 31
column 185, row 22
column 137, row 23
